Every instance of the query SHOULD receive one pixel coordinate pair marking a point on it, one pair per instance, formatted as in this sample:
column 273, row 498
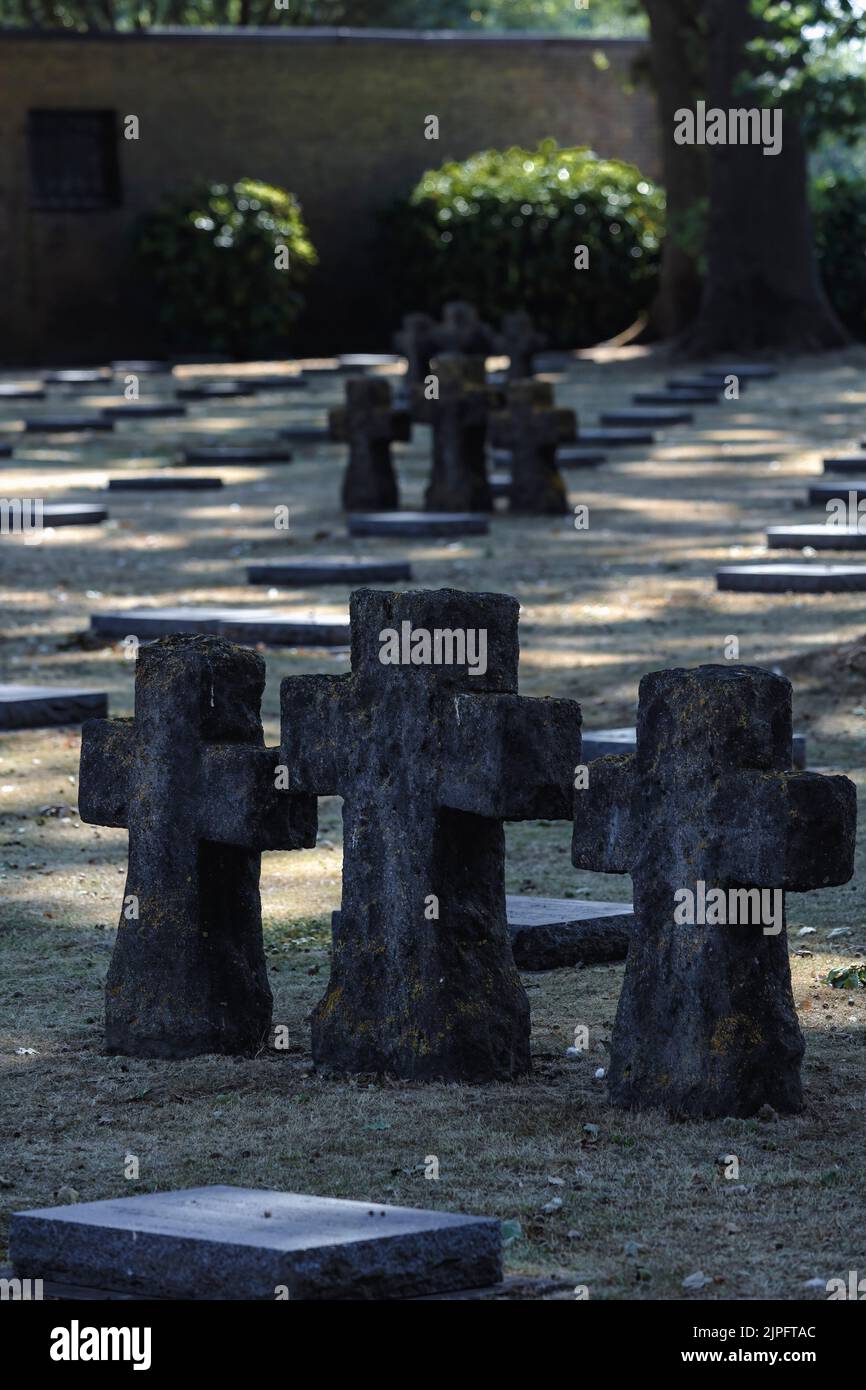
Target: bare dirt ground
column 629, row 1205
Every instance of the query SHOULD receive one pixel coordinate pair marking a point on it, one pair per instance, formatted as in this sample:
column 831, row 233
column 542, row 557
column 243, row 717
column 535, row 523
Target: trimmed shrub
column 839, row 210
column 225, row 266
column 501, row 228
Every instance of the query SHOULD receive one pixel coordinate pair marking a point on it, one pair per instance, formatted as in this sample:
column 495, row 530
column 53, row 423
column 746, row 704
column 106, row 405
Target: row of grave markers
column 706, row 1023
column 430, row 761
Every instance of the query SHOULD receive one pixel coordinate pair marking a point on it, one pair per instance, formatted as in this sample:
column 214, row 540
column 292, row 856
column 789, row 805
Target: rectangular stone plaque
column 40, row 706
column 240, row 1243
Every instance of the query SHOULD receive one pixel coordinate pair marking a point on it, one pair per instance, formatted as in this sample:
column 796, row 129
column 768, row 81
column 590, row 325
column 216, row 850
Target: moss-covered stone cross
column 532, row 428
column 192, row 780
column 369, row 424
column 706, row 1024
column 429, row 760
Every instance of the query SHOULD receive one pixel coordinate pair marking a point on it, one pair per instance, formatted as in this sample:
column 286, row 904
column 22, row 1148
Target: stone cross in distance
column 369, row 424
column 458, row 480
column 532, row 428
column 519, row 341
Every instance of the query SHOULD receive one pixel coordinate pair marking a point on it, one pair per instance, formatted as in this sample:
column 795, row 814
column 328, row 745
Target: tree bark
column 677, row 66
column 762, row 289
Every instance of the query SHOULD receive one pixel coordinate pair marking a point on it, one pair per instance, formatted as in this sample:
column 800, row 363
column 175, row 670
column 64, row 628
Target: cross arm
column 790, row 830
column 107, row 756
column 338, row 424
column 401, row 425
column 500, row 428
column 511, row 758
column 241, row 804
column 314, row 726
column 605, row 826
column 566, row 425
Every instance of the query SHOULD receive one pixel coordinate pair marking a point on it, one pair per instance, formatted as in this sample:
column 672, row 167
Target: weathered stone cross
column 520, row 342
column 462, row 331
column 531, row 427
column 458, row 479
column 416, row 340
column 430, row 760
column 706, row 1024
column 369, row 424
column 192, row 780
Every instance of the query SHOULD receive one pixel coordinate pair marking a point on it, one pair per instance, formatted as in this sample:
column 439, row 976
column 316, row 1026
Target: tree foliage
column 609, row 16
column 225, row 265
column 502, row 229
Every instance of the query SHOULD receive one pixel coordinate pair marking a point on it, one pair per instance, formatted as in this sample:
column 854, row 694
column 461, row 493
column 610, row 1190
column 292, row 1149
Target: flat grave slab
column 140, row 366
column 306, row 434
column 274, row 382
column 573, row 456
column 749, row 371
column 144, row 410
column 819, row 493
column 246, row 626
column 244, row 1244
column 418, row 523
column 711, row 381
column 326, row 369
column 604, row 743
column 238, row 453
column 355, row 361
column 10, row 392
column 846, row 463
column 77, row 376
column 555, row 933
column 646, row 415
column 818, row 537
column 567, row 456
column 613, row 438
column 329, row 570
column 791, row 579
column 41, row 706
column 164, row 482
column 67, row 424
column 214, row 391
column 677, row 397
column 549, row 933
column 73, row 514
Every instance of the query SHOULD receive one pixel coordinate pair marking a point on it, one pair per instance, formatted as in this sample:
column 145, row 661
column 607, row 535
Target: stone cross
column 458, row 480
column 531, row 427
column 519, row 341
column 369, row 424
column 430, row 758
column 462, row 331
column 192, row 780
column 706, row 1024
column 416, row 340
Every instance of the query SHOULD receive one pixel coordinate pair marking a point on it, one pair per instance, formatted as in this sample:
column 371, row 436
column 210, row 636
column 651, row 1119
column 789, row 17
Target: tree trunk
column 677, row 67
column 762, row 290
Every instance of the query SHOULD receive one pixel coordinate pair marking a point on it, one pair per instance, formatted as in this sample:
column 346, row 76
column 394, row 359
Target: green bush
column 839, row 209
column 501, row 228
column 212, row 264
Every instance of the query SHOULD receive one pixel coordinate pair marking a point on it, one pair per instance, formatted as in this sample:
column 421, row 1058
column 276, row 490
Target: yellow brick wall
column 337, row 118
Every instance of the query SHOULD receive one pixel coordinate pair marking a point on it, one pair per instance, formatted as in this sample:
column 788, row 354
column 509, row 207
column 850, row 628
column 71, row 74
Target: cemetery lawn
column 630, row 1205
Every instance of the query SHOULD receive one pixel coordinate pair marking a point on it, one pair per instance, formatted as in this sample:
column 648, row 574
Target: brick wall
column 336, row 116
